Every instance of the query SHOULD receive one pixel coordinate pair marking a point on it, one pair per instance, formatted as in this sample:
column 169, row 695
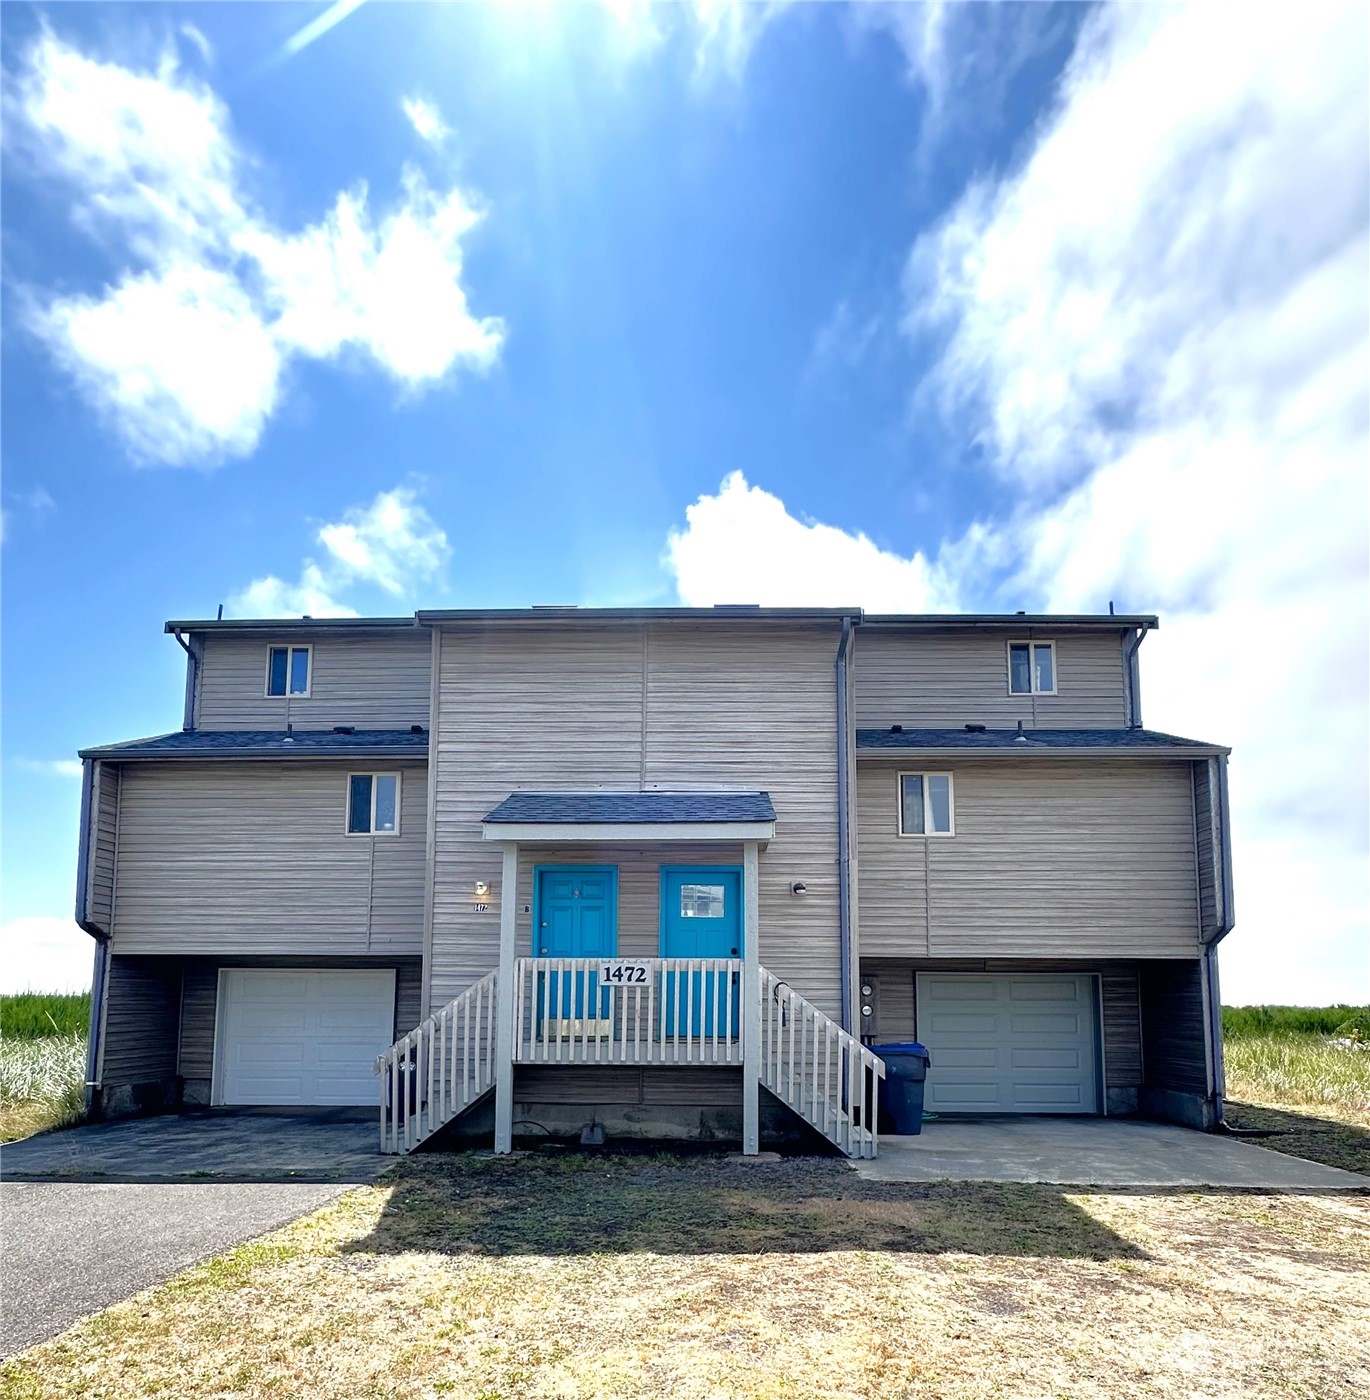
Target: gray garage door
column 1009, row 1044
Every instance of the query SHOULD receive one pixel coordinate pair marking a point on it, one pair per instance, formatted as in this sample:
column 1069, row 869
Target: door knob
column 542, row 952
column 734, row 952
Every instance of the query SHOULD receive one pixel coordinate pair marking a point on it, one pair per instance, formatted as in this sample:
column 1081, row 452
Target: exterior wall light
column 799, row 887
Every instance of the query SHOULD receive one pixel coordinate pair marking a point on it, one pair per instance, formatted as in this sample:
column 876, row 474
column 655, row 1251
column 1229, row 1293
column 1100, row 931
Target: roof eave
column 289, row 624
column 1123, row 622
column 606, row 832
column 1031, row 750
column 292, row 755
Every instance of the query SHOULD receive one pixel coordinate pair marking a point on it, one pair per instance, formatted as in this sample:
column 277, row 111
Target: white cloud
column 186, row 352
column 393, row 544
column 742, row 546
column 426, row 120
column 726, row 32
column 51, row 767
column 43, row 954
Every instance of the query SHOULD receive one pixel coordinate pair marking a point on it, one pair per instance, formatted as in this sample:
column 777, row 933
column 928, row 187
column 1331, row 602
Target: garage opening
column 298, row 1037
column 1022, row 1043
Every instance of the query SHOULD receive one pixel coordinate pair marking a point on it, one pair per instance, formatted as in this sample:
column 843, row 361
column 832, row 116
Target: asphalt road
column 68, row 1249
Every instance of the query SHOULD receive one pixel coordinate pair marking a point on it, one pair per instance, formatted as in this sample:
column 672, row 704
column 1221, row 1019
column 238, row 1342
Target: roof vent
column 1020, row 737
column 896, row 729
column 289, row 734
column 344, row 728
column 975, row 729
column 416, row 729
column 1020, row 613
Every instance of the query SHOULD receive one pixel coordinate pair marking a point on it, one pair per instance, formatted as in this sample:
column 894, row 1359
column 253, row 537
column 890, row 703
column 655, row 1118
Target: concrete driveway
column 1095, row 1152
column 93, row 1215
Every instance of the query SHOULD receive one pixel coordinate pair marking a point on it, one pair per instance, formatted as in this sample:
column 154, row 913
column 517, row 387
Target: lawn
column 616, row 1276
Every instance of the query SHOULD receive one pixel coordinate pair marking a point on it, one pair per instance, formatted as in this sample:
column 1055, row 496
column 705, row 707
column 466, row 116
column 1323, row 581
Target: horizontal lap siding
column 1172, row 1012
column 666, row 706
column 103, row 835
column 615, row 1085
column 1208, row 844
column 757, row 708
column 946, row 679
column 251, row 857
column 142, row 1020
column 1066, row 859
column 1118, row 982
column 373, row 681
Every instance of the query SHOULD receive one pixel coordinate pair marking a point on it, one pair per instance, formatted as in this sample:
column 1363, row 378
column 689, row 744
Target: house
column 554, row 869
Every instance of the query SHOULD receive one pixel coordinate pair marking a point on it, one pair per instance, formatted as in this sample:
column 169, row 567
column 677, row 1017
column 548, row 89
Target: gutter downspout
column 192, row 677
column 1224, row 927
column 97, row 987
column 1134, row 677
column 843, row 845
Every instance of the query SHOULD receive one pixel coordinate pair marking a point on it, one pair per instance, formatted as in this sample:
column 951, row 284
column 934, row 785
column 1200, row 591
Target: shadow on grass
column 579, row 1204
column 1304, row 1134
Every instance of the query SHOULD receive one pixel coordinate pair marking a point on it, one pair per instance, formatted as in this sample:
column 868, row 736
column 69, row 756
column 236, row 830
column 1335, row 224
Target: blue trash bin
column 901, row 1095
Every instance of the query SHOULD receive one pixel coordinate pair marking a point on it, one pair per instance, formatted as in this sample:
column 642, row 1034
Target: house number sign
column 627, row 974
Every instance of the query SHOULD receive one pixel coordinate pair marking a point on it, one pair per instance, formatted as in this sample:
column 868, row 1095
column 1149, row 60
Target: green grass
column 1298, row 1070
column 38, row 1015
column 42, row 1084
column 1295, row 1020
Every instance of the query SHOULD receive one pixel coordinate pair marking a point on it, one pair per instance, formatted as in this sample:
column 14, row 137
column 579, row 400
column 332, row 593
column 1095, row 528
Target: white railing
column 647, row 1011
column 815, row 1068
column 639, row 1011
column 441, row 1067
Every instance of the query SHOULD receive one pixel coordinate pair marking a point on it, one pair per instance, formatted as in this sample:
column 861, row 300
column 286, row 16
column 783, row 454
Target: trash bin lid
column 903, row 1047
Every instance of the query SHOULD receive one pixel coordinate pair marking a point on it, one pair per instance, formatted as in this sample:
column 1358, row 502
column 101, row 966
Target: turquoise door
column 575, row 915
column 701, row 917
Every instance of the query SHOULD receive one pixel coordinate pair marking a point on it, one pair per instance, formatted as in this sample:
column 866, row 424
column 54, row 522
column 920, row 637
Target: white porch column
column 504, row 1001
column 751, row 1002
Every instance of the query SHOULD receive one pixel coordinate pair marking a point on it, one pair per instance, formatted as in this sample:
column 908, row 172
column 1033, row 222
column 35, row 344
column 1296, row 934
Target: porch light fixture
column 482, row 889
column 799, row 887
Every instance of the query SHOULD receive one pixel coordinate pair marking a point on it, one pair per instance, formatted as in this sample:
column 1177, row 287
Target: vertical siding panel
column 942, row 680
column 1069, row 858
column 104, row 836
column 375, row 680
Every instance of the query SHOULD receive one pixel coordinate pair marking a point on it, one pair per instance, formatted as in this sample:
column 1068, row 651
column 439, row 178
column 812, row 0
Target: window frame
column 347, row 802
column 290, row 648
column 924, row 774
column 1031, row 642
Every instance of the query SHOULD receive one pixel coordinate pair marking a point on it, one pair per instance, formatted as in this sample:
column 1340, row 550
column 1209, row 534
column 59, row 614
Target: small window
column 1032, row 668
column 287, row 671
column 373, row 804
column 701, row 901
column 925, row 805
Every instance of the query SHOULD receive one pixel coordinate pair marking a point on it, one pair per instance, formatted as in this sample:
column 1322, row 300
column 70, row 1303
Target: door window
column 701, row 902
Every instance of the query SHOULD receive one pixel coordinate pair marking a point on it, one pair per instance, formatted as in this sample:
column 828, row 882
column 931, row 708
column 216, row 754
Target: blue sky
column 911, row 307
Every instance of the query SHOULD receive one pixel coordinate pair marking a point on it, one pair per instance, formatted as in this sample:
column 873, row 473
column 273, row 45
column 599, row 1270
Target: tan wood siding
column 242, row 857
column 142, row 1020
column 946, row 679
column 1065, row 859
column 377, row 680
column 1118, row 981
column 104, row 831
column 666, row 705
column 200, row 992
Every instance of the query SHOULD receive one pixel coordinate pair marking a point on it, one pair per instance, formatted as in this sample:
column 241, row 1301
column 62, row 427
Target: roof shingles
column 631, row 808
column 270, row 743
column 1008, row 739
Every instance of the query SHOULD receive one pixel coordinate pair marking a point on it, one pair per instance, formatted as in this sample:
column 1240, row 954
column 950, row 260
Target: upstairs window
column 1032, row 668
column 373, row 804
column 288, row 670
column 925, row 805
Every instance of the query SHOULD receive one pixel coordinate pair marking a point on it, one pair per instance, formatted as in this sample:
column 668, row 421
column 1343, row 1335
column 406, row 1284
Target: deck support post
column 504, row 1001
column 751, row 1001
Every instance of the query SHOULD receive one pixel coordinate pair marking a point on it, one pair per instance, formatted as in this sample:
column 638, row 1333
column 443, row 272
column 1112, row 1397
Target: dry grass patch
column 481, row 1278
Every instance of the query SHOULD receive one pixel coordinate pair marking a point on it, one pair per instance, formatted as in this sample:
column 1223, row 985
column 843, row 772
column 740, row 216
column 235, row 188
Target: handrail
column 443, row 1065
column 819, row 1070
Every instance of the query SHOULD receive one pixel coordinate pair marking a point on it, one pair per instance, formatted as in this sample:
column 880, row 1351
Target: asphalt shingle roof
column 633, row 808
column 1065, row 739
column 269, row 743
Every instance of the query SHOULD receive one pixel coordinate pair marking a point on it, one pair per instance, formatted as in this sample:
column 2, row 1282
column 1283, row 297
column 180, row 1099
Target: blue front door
column 701, row 917
column 575, row 915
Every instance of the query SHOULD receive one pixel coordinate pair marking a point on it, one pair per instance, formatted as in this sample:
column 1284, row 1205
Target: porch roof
column 657, row 816
column 966, row 742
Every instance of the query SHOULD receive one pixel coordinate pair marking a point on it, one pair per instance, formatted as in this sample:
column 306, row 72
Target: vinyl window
column 289, row 671
column 373, row 804
column 926, row 805
column 1032, row 668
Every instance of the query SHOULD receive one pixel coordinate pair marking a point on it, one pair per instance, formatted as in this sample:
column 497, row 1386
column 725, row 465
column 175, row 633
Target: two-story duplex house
column 540, row 870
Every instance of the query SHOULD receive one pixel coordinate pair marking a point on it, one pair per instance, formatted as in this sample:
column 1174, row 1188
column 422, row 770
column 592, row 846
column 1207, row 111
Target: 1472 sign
column 625, row 974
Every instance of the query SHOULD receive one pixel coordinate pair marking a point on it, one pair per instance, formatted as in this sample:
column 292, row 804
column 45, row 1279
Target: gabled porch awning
column 631, row 816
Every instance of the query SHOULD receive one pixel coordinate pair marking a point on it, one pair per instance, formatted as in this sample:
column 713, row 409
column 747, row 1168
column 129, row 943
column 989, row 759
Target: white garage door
column 1022, row 1044
column 303, row 1037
